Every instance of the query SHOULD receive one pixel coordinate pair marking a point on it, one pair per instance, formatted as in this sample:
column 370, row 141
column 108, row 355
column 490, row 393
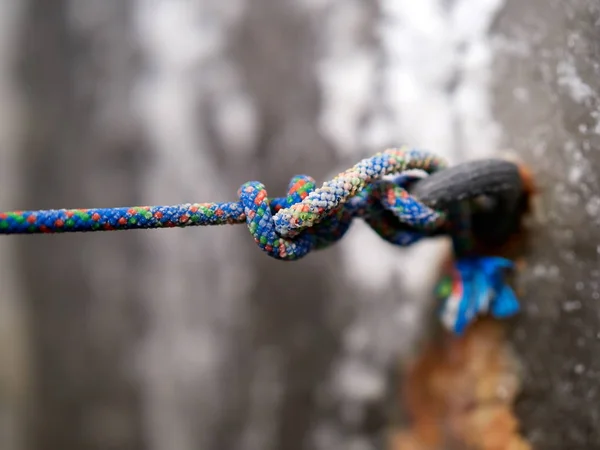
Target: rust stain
column 460, row 394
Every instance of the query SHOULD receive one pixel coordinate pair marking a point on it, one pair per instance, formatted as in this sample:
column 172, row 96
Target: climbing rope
column 310, row 218
column 285, row 228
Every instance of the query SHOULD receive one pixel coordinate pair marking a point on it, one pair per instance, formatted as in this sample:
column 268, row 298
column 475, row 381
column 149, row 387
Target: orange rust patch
column 460, row 394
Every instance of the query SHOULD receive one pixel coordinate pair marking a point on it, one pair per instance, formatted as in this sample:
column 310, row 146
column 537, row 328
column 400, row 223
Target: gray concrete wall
column 547, row 69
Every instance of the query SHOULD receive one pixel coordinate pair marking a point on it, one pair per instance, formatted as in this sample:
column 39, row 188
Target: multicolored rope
column 285, row 228
column 310, row 218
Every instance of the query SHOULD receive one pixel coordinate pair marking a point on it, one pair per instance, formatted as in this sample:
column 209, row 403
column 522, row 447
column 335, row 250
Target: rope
column 310, row 218
column 285, row 228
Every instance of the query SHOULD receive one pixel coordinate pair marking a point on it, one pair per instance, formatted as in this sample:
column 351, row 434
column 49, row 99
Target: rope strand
column 286, row 228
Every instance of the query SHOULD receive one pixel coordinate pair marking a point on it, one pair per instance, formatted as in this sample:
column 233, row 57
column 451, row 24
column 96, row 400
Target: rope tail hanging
column 402, row 210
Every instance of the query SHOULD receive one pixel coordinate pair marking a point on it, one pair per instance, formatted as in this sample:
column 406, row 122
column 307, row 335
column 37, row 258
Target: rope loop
column 259, row 219
column 321, row 202
column 396, row 216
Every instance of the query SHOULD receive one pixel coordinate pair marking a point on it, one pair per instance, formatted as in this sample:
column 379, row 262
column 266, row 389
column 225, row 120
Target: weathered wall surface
column 547, row 72
column 188, row 339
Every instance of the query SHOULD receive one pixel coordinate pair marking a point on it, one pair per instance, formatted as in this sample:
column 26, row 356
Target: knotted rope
column 310, row 218
column 285, row 228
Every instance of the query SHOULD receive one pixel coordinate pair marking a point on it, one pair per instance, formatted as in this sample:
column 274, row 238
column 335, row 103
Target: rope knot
column 309, row 218
column 261, row 214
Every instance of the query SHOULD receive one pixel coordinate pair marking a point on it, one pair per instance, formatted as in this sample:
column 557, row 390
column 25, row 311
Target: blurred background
column 194, row 339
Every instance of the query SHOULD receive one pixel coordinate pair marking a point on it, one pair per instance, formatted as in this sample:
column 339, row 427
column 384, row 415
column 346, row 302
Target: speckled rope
column 308, row 218
column 286, row 228
column 299, row 216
